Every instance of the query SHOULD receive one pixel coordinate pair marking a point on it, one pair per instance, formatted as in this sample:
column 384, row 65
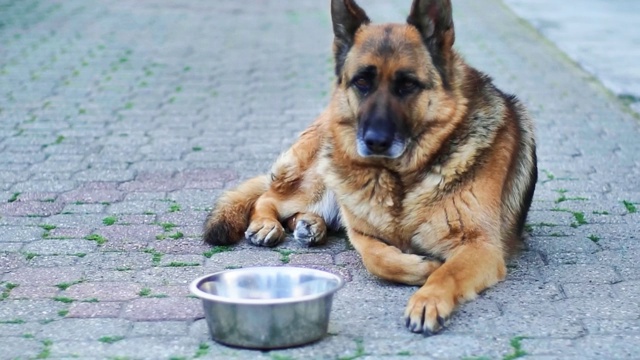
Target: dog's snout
column 377, row 141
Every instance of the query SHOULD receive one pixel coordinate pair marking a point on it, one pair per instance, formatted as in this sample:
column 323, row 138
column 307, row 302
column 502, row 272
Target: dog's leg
column 265, row 228
column 308, row 228
column 471, row 269
column 389, row 263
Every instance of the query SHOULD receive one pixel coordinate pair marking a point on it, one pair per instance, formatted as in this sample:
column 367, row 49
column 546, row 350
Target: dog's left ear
column 434, row 20
column 347, row 17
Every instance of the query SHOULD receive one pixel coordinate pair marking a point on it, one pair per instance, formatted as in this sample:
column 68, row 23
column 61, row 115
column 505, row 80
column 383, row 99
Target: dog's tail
column 229, row 219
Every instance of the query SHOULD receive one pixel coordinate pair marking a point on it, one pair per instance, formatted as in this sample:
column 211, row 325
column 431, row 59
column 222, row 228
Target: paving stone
column 159, row 328
column 24, row 208
column 10, row 260
column 75, row 329
column 103, row 291
column 14, row 348
column 29, row 310
column 94, row 310
column 43, row 276
column 163, row 309
column 59, row 247
column 33, row 292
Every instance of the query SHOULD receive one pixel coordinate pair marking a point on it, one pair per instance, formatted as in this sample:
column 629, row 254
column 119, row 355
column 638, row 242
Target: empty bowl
column 267, row 307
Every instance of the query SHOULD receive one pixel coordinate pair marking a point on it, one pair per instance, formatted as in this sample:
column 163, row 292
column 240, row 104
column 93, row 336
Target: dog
column 426, row 164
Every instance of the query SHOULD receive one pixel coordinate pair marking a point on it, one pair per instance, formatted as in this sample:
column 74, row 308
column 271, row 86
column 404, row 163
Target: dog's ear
column 434, row 20
column 347, row 17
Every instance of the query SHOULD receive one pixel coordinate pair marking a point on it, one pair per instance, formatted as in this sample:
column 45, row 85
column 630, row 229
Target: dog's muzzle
column 380, row 143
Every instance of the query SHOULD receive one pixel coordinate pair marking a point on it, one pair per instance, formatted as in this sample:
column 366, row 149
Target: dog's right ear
column 347, row 17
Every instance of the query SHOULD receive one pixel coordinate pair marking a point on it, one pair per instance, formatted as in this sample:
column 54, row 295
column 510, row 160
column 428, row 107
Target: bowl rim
column 195, row 290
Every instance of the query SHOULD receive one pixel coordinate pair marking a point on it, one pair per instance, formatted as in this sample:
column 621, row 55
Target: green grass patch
column 594, row 238
column 14, row 197
column 600, row 212
column 516, row 344
column 280, row 357
column 549, row 175
column 46, row 352
column 109, row 220
column 284, row 255
column 180, row 264
column 66, row 285
column 124, row 268
column 30, row 256
column 92, row 300
column 544, row 224
column 177, row 235
column 63, row 313
column 59, row 140
column 14, row 321
column 80, row 255
column 156, row 256
column 580, row 219
column 47, row 227
column 97, row 238
column 573, row 198
column 203, row 349
column 197, row 148
column 404, row 353
column 28, row 336
column 358, row 354
column 631, row 207
column 168, row 226
column 110, row 339
column 216, row 250
column 231, row 267
column 7, row 290
column 63, row 299
column 558, row 234
column 175, row 207
column 144, row 292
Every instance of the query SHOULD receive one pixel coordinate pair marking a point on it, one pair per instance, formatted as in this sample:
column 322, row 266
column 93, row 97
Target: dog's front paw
column 310, row 231
column 428, row 311
column 265, row 232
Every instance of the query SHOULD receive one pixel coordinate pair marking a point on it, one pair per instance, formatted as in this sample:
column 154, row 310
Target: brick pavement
column 121, row 121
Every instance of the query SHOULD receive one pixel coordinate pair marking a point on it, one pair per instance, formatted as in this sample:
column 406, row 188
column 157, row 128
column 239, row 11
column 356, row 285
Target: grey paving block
column 159, row 328
column 75, row 329
column 59, row 247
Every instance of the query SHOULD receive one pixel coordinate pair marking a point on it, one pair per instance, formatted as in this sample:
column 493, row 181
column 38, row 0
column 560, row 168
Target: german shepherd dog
column 426, row 164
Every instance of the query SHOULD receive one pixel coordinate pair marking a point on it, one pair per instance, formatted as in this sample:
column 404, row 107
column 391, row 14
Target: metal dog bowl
column 267, row 307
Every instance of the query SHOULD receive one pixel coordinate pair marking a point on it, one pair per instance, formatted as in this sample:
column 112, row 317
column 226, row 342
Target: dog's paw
column 310, row 231
column 265, row 232
column 428, row 311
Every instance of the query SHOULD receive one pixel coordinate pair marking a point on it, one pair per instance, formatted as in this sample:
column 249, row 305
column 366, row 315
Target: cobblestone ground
column 122, row 121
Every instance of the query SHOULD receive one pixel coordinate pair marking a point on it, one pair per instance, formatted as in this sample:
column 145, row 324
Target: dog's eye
column 362, row 84
column 406, row 88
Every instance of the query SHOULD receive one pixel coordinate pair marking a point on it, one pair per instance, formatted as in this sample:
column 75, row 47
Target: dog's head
column 387, row 74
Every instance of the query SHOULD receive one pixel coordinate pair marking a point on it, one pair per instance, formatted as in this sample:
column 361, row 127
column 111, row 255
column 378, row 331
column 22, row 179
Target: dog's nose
column 378, row 142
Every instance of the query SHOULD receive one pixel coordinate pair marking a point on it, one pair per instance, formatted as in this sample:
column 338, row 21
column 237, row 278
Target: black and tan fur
column 420, row 153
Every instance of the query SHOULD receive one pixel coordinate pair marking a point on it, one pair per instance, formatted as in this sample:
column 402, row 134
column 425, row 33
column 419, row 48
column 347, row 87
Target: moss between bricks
column 97, row 238
column 110, row 339
column 216, row 250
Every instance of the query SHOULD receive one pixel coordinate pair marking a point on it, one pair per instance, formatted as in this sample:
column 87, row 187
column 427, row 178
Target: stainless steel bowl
column 267, row 307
